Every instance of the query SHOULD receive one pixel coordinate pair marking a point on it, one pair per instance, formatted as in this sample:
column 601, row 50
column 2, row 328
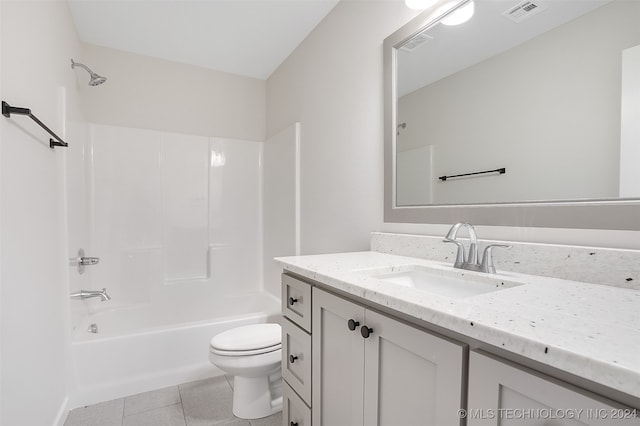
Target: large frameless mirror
column 526, row 114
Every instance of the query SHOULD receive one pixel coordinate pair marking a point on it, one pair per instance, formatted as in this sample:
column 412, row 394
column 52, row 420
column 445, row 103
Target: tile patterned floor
column 202, row 403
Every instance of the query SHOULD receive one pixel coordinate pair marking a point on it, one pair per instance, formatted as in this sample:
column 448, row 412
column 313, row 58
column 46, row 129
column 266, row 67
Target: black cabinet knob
column 292, row 301
column 294, row 423
column 292, row 358
column 352, row 324
column 366, row 331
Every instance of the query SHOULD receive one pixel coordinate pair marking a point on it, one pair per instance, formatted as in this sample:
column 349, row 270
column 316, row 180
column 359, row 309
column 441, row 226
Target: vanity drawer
column 294, row 411
column 296, row 301
column 296, row 359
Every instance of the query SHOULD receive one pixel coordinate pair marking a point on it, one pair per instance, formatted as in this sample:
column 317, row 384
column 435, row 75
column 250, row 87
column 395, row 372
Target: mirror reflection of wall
column 630, row 130
column 549, row 110
column 415, row 176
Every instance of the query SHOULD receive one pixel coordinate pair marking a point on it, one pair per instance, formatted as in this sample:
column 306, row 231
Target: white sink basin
column 455, row 283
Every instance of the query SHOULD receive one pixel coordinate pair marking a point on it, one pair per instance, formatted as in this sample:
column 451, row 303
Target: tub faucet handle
column 87, row 261
column 81, row 261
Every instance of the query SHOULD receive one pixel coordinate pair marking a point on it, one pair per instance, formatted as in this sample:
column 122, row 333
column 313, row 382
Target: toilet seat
column 245, row 353
column 248, row 340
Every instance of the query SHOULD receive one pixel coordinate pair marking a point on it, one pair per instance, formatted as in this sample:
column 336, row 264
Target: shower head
column 95, row 78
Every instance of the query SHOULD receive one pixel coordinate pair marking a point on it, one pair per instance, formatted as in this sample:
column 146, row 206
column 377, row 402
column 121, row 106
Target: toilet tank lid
column 255, row 336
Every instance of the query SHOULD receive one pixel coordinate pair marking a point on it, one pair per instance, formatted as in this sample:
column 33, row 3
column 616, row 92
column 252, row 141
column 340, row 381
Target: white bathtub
column 155, row 345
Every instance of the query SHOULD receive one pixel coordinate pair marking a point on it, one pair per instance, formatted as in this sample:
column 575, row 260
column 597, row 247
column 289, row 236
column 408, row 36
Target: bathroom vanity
column 371, row 338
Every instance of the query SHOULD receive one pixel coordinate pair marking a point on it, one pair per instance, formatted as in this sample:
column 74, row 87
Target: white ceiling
column 245, row 37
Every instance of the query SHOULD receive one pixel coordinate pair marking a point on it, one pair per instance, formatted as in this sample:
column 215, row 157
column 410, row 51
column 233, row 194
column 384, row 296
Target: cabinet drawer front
column 296, row 301
column 501, row 393
column 295, row 412
column 296, row 359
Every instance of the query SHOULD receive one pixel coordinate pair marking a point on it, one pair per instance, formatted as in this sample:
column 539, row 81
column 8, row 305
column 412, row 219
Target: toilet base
column 257, row 397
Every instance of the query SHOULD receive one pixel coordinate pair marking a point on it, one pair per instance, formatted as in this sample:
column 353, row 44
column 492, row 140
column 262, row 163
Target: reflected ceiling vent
column 417, row 41
column 524, row 10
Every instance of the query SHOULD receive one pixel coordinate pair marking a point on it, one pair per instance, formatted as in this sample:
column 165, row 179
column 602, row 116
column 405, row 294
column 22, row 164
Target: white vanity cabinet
column 370, row 369
column 501, row 393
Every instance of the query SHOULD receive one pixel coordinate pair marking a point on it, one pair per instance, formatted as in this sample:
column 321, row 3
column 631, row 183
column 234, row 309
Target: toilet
column 252, row 354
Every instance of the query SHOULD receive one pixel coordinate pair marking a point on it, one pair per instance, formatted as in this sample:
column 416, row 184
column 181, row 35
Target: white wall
column 150, row 93
column 281, row 202
column 332, row 84
column 37, row 40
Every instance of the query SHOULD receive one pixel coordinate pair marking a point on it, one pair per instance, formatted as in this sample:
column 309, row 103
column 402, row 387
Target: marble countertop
column 589, row 330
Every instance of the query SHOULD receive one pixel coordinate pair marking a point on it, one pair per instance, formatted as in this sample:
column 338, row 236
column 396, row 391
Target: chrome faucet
column 88, row 294
column 470, row 262
column 461, row 258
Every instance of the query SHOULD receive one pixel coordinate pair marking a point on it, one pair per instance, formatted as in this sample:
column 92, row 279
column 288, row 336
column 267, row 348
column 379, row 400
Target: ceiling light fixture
column 419, row 4
column 461, row 15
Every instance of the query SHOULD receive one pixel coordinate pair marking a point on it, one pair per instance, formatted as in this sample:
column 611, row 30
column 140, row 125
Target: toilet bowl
column 252, row 354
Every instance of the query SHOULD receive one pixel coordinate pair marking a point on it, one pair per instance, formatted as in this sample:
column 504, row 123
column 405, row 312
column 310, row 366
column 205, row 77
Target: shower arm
column 78, row 64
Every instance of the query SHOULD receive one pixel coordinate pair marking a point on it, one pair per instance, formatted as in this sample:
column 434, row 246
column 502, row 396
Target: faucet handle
column 487, row 258
column 460, row 256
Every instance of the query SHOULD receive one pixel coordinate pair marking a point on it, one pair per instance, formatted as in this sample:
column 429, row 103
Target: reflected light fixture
column 218, row 159
column 419, row 4
column 461, row 15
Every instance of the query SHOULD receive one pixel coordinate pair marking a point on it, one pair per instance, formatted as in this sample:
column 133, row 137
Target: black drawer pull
column 352, row 324
column 292, row 301
column 292, row 358
column 294, row 423
column 366, row 331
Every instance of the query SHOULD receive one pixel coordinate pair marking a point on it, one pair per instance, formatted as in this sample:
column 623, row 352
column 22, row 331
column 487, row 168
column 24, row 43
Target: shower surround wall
column 171, row 214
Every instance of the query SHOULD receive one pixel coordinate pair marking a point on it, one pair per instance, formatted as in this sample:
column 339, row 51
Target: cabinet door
column 503, row 394
column 338, row 355
column 412, row 378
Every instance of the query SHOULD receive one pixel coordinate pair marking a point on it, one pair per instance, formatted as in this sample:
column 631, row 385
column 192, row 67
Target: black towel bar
column 502, row 171
column 7, row 110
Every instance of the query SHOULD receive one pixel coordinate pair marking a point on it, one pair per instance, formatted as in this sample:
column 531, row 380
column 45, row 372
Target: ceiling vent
column 419, row 40
column 524, row 10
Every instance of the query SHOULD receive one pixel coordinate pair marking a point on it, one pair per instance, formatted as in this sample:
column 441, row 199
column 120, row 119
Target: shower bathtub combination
column 141, row 348
column 177, row 226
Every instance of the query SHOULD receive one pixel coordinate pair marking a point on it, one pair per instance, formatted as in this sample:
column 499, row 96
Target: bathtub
column 155, row 345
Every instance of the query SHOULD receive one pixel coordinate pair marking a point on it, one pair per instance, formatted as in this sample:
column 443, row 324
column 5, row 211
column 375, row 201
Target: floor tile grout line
column 152, row 408
column 124, row 402
column 228, row 382
column 184, row 415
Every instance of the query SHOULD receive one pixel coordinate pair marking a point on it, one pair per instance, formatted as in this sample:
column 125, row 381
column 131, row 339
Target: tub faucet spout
column 88, row 294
